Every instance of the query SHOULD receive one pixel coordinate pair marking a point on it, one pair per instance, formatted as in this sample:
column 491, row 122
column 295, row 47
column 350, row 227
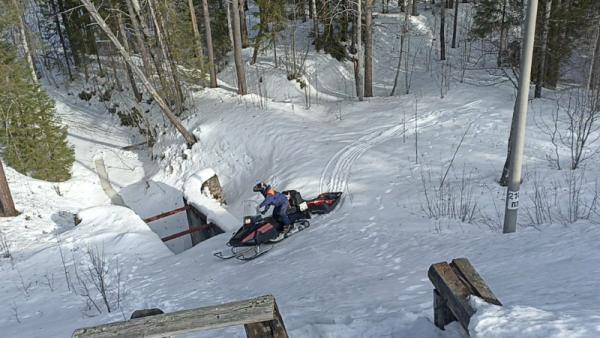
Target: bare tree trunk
column 257, row 41
column 237, row 49
column 541, row 64
column 209, row 46
column 171, row 68
column 315, row 19
column 7, row 206
column 594, row 80
column 415, row 10
column 199, row 51
column 229, row 24
column 139, row 36
column 442, row 31
column 503, row 35
column 455, row 23
column 189, row 137
column 134, row 87
column 243, row 25
column 369, row 48
column 146, row 37
column 358, row 62
column 24, row 42
column 61, row 37
column 402, row 39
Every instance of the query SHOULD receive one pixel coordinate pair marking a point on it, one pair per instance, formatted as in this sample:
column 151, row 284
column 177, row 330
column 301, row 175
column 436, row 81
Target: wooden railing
column 260, row 317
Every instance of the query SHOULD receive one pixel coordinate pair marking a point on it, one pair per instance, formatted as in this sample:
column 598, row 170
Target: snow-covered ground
column 360, row 271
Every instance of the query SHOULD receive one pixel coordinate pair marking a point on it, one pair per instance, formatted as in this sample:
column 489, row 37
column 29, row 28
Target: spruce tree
column 31, row 137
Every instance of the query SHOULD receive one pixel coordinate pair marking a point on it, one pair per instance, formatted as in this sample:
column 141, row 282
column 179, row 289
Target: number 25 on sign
column 513, row 200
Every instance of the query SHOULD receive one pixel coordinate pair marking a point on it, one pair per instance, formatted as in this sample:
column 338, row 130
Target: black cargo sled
column 258, row 234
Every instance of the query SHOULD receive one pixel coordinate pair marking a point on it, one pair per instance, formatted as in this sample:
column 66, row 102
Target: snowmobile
column 259, row 234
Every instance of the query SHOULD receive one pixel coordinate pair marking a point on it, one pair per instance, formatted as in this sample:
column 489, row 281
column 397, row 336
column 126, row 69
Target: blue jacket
column 278, row 200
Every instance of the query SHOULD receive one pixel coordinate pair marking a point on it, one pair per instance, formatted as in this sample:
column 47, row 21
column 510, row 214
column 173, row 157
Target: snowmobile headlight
column 303, row 206
column 247, row 221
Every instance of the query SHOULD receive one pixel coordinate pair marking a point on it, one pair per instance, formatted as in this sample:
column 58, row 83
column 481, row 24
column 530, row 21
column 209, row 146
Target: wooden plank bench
column 260, row 317
column 454, row 283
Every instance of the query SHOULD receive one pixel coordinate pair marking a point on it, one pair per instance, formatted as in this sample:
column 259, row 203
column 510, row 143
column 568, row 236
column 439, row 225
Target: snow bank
column 215, row 213
column 116, row 229
column 493, row 321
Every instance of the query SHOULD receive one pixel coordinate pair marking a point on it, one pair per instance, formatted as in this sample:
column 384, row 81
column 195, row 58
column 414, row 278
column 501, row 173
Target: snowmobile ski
column 235, row 252
column 255, row 252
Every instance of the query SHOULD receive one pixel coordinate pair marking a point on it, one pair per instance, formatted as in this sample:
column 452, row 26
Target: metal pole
column 516, row 156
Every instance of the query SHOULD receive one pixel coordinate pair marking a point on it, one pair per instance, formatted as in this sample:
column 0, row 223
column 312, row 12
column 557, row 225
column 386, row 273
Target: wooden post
column 454, row 283
column 441, row 312
column 261, row 310
column 7, row 206
column 273, row 328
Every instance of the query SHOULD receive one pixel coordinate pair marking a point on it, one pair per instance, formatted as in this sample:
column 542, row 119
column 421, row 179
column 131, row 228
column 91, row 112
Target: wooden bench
column 454, row 283
column 260, row 318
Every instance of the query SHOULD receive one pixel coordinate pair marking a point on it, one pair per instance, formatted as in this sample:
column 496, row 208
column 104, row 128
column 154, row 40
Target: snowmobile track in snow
column 337, row 171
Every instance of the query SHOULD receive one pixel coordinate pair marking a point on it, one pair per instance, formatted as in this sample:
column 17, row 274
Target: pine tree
column 34, row 142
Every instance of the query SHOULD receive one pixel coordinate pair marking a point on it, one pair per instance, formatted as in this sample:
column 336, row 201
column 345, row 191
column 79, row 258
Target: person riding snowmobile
column 280, row 203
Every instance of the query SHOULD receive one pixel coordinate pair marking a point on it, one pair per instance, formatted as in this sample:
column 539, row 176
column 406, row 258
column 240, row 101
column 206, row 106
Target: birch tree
column 24, row 41
column 189, row 137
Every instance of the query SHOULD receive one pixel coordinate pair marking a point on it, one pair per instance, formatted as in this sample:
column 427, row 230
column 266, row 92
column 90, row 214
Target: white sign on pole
column 513, row 200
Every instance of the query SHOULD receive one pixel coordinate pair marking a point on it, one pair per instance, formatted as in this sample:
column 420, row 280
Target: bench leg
column 269, row 329
column 442, row 315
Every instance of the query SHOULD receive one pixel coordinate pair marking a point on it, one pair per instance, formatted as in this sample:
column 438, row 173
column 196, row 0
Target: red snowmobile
column 258, row 234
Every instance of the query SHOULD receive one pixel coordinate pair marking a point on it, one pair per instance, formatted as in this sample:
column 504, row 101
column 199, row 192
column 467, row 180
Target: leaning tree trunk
column 7, row 206
column 369, row 48
column 209, row 46
column 358, row 63
column 237, row 49
column 199, row 51
column 189, row 137
column 24, row 42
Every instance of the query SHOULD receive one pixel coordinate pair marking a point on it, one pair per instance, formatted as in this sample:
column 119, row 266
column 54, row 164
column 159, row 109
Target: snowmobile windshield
column 250, row 207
